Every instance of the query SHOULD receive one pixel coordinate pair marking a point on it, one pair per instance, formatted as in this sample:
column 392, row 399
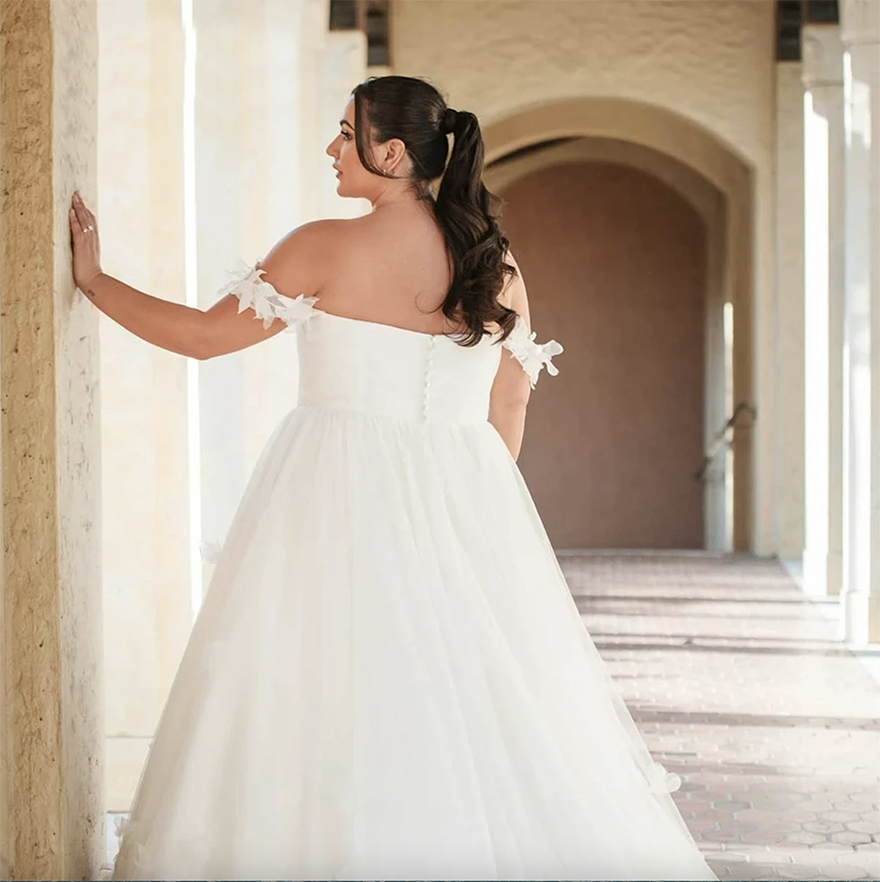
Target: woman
column 388, row 677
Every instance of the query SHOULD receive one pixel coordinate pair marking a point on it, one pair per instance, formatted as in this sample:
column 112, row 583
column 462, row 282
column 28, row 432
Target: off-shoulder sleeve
column 531, row 355
column 253, row 292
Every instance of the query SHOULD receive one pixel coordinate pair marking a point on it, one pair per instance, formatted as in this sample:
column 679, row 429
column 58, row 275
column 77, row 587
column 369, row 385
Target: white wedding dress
column 388, row 677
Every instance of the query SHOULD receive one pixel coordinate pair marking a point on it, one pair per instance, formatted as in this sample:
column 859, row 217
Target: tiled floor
column 738, row 684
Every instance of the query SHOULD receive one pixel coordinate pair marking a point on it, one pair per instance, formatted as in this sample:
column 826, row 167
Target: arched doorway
column 615, row 262
column 701, row 183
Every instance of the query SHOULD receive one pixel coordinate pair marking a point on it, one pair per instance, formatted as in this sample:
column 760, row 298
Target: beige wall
column 615, row 264
column 710, row 61
column 707, row 64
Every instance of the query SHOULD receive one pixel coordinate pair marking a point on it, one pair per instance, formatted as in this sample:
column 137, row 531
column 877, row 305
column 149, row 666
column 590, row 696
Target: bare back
column 389, row 267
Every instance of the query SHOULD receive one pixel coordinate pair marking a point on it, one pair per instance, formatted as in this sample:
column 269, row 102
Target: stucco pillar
column 146, row 537
column 256, row 162
column 52, row 821
column 788, row 437
column 860, row 27
column 823, row 311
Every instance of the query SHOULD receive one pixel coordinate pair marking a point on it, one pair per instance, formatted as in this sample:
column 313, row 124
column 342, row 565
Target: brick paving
column 738, row 683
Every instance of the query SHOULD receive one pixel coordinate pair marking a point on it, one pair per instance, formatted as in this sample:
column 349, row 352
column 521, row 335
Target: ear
column 390, row 155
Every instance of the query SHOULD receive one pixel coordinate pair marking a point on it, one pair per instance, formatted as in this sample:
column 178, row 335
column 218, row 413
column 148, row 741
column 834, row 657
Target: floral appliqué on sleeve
column 255, row 293
column 531, row 355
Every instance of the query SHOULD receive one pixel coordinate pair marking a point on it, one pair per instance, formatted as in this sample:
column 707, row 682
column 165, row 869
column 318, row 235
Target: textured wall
column 31, row 638
column 710, row 63
column 709, row 60
column 50, row 448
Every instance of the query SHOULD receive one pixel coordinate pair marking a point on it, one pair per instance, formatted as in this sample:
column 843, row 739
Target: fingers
column 75, row 226
column 85, row 219
column 78, row 213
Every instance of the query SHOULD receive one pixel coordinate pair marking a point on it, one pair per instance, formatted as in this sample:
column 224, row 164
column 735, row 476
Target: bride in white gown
column 388, row 677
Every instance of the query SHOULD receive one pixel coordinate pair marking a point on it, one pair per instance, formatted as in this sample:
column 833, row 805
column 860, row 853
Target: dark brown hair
column 412, row 110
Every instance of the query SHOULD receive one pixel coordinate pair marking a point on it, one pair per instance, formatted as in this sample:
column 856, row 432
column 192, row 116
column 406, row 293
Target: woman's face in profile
column 353, row 178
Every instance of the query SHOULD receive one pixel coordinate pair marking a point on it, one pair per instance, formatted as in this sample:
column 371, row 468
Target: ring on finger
column 88, row 229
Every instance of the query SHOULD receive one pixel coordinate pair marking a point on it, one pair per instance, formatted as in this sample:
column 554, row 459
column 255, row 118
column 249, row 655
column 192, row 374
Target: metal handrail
column 720, row 439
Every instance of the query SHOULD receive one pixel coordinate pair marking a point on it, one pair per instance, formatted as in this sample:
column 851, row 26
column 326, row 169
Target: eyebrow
column 345, row 122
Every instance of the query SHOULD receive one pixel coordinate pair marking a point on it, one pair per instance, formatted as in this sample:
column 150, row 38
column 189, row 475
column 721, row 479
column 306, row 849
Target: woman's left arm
column 172, row 326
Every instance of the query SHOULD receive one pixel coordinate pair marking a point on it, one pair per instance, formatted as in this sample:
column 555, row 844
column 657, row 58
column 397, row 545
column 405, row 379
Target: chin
column 345, row 192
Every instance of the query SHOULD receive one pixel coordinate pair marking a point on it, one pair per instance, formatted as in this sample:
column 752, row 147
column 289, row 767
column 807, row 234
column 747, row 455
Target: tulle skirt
column 389, row 679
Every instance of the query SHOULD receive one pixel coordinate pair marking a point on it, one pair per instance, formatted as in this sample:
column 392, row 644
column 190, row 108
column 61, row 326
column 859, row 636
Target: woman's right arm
column 175, row 327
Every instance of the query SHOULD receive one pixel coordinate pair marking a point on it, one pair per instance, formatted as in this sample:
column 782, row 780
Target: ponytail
column 467, row 213
column 412, row 110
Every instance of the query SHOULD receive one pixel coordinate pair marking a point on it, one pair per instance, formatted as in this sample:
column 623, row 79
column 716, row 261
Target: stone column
column 789, row 392
column 860, row 27
column 823, row 313
column 146, row 537
column 51, row 700
column 256, row 127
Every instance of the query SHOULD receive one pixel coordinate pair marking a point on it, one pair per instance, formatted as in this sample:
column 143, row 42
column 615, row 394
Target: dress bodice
column 383, row 370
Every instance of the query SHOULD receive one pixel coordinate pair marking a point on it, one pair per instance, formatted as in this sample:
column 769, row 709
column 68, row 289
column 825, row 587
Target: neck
column 397, row 193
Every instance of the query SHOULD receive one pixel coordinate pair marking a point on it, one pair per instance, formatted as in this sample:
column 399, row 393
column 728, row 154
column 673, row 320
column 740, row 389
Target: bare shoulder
column 298, row 262
column 323, row 235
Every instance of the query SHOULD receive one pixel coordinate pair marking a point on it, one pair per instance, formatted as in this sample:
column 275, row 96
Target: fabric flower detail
column 255, row 293
column 531, row 355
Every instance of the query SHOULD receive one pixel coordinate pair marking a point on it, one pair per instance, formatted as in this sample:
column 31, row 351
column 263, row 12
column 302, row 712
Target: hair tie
column 449, row 120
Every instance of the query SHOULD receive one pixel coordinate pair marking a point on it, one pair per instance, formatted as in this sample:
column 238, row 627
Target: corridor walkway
column 737, row 683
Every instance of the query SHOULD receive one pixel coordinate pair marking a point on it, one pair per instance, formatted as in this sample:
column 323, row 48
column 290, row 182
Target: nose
column 330, row 148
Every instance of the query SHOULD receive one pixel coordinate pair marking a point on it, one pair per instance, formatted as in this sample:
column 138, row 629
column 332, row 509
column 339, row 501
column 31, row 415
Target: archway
column 717, row 183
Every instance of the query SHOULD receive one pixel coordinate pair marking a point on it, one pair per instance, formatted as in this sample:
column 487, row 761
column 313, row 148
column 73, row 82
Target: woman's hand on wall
column 170, row 325
column 85, row 242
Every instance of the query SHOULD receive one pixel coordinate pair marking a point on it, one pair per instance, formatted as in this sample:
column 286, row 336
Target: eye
column 345, row 136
